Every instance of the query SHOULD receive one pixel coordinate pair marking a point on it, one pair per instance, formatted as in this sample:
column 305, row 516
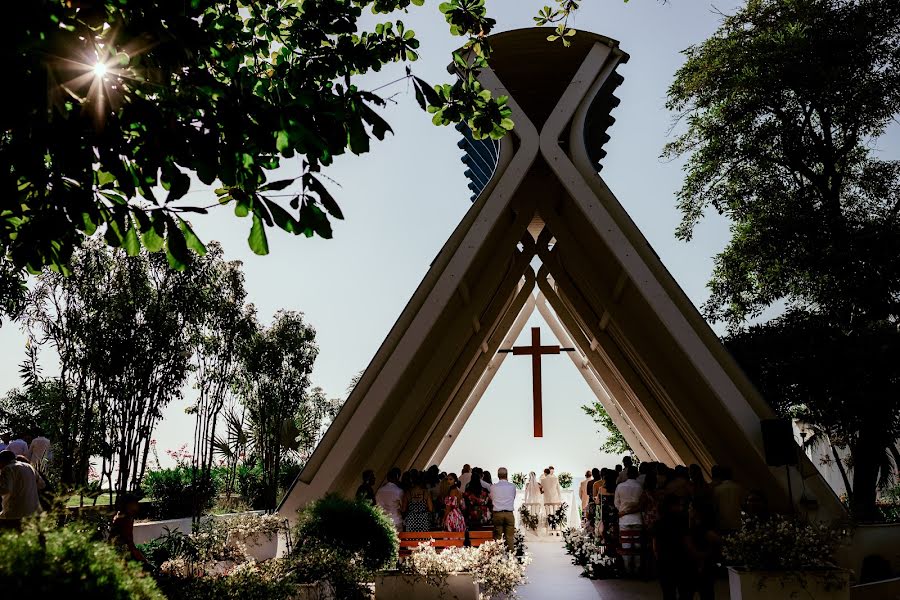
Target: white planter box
column 260, row 547
column 396, row 586
column 831, row 584
column 314, row 591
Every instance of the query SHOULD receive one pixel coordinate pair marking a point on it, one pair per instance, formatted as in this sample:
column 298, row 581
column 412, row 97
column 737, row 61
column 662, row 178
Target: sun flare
column 99, row 69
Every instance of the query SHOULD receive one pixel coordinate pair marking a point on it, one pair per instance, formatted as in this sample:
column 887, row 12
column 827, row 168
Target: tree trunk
column 866, row 453
column 840, row 465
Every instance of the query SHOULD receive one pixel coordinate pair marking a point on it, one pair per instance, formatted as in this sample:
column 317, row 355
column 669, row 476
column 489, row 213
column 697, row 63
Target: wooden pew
column 409, row 540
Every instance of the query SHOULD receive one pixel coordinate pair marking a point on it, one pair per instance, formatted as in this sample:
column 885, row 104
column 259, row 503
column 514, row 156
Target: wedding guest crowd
column 22, row 461
column 432, row 500
column 664, row 522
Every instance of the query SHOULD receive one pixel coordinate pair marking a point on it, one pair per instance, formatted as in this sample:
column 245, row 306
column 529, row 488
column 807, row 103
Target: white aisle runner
column 552, row 576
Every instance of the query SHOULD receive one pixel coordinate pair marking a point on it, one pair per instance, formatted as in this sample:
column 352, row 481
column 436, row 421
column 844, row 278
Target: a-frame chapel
column 661, row 372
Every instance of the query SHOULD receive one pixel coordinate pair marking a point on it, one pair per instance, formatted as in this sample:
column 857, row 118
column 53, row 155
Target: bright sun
column 100, row 69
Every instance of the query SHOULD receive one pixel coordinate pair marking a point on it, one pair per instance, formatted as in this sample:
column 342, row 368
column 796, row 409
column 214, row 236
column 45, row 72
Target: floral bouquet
column 518, row 480
column 565, row 480
column 529, row 519
column 558, row 517
column 781, row 543
column 494, row 569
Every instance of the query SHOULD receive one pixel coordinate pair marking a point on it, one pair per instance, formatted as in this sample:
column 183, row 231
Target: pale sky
column 404, row 198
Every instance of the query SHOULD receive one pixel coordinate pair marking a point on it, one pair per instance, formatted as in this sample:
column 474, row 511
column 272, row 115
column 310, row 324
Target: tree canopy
column 781, row 108
column 119, row 102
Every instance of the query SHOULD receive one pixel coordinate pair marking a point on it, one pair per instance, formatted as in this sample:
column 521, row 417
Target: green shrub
column 252, row 583
column 356, row 529
column 251, row 486
column 176, row 494
column 67, row 563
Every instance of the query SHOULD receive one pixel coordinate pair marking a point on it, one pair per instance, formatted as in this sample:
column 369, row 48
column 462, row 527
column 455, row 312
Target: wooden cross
column 535, row 350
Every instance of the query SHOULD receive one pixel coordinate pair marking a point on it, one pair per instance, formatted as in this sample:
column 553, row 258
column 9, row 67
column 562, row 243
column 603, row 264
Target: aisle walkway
column 552, row 576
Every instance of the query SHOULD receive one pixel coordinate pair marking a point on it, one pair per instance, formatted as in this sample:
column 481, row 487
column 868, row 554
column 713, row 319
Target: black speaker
column 778, row 442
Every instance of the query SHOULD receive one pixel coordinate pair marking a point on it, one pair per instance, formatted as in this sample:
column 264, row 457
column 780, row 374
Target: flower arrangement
column 529, row 519
column 494, row 569
column 518, row 480
column 589, row 555
column 558, row 517
column 782, row 543
column 565, row 480
column 521, row 548
column 249, row 525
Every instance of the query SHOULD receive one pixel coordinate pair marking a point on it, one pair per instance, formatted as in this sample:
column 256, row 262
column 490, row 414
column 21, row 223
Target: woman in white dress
column 534, row 495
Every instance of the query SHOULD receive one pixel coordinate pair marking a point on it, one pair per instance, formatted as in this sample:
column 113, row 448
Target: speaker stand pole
column 787, row 471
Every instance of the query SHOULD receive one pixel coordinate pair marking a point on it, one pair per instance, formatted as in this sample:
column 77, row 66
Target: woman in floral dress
column 453, row 504
column 478, row 504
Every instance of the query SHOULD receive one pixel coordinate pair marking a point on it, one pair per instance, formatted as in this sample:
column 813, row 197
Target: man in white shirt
column 465, row 477
column 39, row 451
column 389, row 496
column 503, row 497
column 19, row 489
column 627, row 500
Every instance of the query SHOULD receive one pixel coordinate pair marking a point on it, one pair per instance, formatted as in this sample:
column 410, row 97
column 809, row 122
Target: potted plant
column 254, row 534
column 474, row 573
column 783, row 557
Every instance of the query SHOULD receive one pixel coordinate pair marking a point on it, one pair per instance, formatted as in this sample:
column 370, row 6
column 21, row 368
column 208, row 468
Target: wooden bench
column 410, row 540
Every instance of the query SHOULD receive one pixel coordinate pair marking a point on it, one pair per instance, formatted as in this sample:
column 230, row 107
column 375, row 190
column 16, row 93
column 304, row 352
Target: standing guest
column 503, row 497
column 650, row 507
column 477, row 502
column 670, row 539
column 39, row 451
column 715, row 476
column 643, row 469
column 627, row 499
column 627, row 461
column 4, row 441
column 593, row 491
column 486, row 477
column 366, row 491
column 680, row 486
column 465, row 476
column 18, row 446
column 552, row 491
column 19, row 490
column 728, row 497
column 453, row 504
column 121, row 533
column 703, row 492
column 417, row 505
column 703, row 547
column 608, row 513
column 583, row 493
column 390, row 496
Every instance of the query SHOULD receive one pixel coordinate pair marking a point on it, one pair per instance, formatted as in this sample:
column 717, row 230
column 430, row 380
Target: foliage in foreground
column 68, row 563
column 354, row 528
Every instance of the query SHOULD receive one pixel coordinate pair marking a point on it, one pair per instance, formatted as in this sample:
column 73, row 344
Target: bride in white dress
column 534, row 495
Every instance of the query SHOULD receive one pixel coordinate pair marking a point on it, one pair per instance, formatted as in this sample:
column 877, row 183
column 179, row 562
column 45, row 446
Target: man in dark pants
column 503, row 498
